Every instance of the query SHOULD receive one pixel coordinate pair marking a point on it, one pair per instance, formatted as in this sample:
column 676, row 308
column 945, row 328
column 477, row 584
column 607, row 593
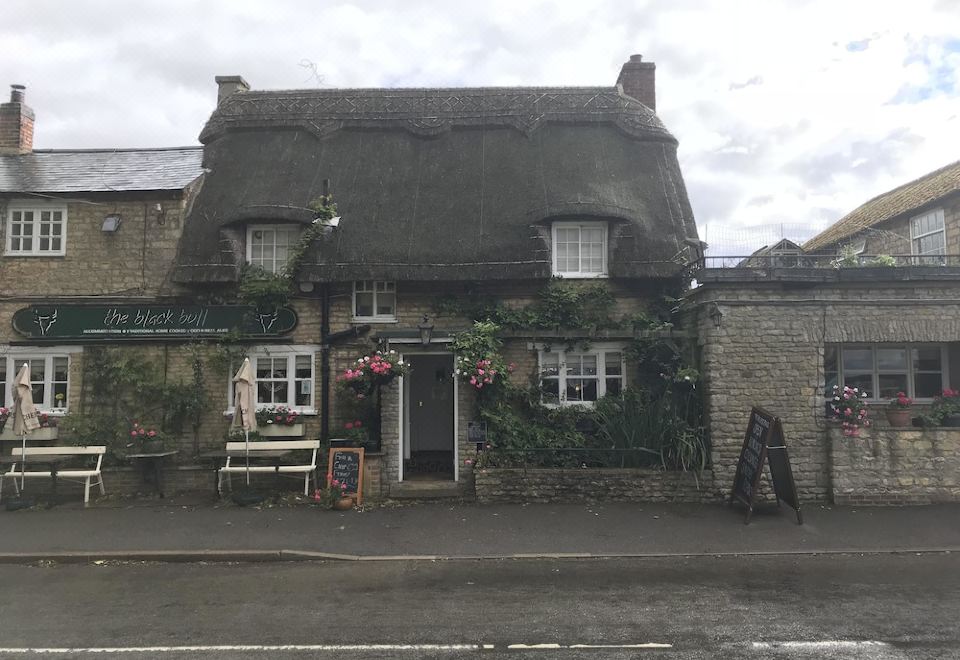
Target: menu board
column 764, row 441
column 346, row 466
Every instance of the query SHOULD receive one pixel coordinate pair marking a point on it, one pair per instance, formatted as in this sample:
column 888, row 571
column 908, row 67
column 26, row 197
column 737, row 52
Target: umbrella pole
column 246, row 433
column 23, row 461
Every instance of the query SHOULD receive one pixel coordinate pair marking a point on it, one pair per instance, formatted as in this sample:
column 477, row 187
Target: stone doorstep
column 426, row 490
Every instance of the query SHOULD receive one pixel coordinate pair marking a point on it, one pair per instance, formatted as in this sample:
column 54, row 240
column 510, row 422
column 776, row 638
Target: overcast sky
column 789, row 112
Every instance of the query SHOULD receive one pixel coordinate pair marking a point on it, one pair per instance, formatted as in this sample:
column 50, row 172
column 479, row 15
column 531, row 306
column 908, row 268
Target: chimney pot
column 230, row 85
column 16, row 124
column 638, row 80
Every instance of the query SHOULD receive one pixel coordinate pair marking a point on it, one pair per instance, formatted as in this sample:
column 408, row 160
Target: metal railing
column 829, row 261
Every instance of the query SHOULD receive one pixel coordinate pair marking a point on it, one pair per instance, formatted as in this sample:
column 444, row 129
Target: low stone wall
column 502, row 485
column 896, row 466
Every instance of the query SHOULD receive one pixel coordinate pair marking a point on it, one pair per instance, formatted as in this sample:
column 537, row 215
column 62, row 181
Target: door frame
column 403, row 422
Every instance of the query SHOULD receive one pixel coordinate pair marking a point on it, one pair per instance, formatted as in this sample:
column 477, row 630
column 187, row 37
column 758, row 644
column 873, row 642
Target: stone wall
column 512, row 485
column 768, row 352
column 896, row 466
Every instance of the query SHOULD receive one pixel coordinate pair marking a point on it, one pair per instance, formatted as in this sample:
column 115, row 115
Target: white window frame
column 374, row 318
column 37, row 208
column 598, row 350
column 290, row 352
column 586, row 224
column 14, row 357
column 277, row 267
column 875, row 376
column 916, row 235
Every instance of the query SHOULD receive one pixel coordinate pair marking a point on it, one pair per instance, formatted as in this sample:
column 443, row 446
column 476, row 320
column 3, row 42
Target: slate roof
column 454, row 184
column 909, row 197
column 100, row 170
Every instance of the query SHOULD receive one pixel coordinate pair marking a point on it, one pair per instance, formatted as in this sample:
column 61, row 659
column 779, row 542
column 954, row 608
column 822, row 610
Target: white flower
column 864, row 395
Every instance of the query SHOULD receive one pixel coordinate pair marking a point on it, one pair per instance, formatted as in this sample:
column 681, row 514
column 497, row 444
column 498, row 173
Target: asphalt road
column 840, row 606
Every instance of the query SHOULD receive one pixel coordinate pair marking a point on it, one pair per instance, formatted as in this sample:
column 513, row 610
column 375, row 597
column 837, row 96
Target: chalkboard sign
column 346, row 466
column 780, row 471
column 764, row 434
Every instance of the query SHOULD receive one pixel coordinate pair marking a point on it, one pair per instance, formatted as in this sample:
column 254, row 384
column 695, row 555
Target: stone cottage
column 781, row 335
column 441, row 194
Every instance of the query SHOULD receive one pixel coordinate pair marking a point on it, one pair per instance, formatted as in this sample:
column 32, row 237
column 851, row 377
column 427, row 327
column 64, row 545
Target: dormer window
column 268, row 246
column 580, row 249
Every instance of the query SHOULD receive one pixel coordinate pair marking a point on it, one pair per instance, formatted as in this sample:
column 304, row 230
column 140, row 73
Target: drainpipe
column 325, row 363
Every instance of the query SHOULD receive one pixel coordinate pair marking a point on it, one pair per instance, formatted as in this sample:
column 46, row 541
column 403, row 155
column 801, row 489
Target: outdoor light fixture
column 426, row 330
column 111, row 223
column 716, row 315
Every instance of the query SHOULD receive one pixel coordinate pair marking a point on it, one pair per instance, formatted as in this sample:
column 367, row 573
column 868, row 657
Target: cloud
column 782, row 115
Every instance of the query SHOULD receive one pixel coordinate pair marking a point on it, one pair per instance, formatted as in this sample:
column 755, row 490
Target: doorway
column 429, row 452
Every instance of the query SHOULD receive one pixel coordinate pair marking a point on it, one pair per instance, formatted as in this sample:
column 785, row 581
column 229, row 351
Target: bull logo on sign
column 44, row 320
column 267, row 320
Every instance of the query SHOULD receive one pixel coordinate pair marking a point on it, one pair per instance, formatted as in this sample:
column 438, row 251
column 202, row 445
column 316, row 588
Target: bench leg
column 102, row 490
column 1, row 485
column 86, row 492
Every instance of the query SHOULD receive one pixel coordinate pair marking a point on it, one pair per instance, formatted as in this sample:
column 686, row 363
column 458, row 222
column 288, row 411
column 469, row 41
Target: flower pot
column 898, row 417
column 280, row 430
column 46, row 433
column 343, row 504
column 952, row 421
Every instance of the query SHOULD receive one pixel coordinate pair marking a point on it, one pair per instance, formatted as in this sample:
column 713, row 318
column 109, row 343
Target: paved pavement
column 178, row 531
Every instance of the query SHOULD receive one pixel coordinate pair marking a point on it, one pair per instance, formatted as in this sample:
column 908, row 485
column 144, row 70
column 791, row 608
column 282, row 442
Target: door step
column 425, row 490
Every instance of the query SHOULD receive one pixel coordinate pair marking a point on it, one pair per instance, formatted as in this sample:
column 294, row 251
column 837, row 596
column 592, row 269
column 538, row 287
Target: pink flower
column 473, row 380
column 468, row 462
column 151, row 433
column 141, row 431
column 133, row 434
column 348, row 425
column 357, row 424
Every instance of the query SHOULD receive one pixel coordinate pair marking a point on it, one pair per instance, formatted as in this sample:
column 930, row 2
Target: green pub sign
column 132, row 322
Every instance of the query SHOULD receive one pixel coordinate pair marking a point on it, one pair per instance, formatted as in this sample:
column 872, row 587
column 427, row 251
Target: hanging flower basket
column 372, row 371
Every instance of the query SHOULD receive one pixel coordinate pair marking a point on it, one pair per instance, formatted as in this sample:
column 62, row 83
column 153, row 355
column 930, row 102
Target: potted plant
column 282, row 421
column 899, row 411
column 144, row 440
column 371, row 371
column 945, row 410
column 849, row 407
column 333, row 496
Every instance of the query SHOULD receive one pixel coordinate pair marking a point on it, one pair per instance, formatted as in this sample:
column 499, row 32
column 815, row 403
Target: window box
column 46, row 433
column 280, row 430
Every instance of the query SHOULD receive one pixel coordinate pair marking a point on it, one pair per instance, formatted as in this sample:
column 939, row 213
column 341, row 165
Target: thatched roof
column 907, row 198
column 439, row 183
column 100, row 170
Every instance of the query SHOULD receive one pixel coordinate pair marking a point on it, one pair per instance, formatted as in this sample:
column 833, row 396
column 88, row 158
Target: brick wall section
column 509, row 485
column 768, row 352
column 896, row 466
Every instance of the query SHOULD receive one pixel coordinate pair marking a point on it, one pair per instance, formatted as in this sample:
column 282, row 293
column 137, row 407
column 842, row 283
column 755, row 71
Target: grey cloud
column 755, row 80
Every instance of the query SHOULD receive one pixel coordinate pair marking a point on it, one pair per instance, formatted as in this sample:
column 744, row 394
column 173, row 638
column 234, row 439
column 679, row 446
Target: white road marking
column 647, row 645
column 826, row 644
column 246, row 647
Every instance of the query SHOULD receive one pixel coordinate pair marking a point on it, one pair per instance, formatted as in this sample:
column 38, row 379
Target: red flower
column 348, row 425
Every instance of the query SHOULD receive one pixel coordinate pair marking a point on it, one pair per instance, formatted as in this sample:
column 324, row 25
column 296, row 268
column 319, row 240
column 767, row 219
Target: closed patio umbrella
column 25, row 417
column 245, row 405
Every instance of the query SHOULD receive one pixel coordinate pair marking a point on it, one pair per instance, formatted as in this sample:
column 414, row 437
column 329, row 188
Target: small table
column 50, row 461
column 153, row 462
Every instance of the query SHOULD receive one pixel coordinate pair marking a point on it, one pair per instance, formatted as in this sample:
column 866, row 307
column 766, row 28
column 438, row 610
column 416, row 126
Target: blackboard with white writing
column 346, row 466
column 764, row 441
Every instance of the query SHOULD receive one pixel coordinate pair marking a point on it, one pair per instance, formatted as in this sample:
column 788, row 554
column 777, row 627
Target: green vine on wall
column 265, row 290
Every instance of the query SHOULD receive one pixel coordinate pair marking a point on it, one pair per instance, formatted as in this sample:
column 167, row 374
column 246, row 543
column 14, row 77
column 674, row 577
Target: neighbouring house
column 452, row 205
column 782, row 254
column 919, row 222
column 783, row 337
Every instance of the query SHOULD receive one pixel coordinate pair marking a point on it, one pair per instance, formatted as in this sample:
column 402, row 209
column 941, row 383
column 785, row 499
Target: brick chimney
column 638, row 79
column 16, row 124
column 229, row 85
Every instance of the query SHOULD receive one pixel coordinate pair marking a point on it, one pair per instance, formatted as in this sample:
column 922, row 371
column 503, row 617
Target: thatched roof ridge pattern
column 433, row 111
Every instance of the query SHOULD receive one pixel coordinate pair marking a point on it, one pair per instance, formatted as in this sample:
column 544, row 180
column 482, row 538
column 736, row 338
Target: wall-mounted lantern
column 426, row 330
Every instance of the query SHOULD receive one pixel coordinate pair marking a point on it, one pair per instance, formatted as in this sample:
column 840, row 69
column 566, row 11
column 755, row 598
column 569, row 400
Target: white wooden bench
column 50, row 457
column 236, row 460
